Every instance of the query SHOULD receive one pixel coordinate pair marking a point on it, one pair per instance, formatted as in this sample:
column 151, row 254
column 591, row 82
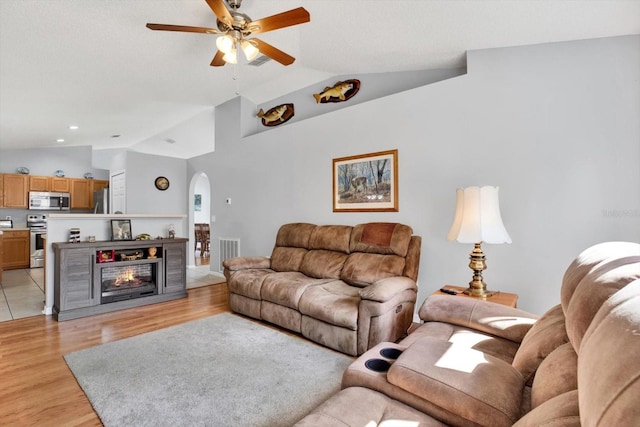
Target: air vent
column 229, row 248
column 259, row 61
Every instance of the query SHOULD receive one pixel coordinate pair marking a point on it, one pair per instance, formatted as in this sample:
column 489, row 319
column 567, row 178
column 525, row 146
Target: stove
column 37, row 224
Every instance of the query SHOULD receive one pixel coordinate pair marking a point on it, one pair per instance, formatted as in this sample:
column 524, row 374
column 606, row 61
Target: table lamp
column 477, row 220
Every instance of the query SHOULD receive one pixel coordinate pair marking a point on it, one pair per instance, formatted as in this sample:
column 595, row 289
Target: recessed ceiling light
column 115, row 136
column 59, row 140
column 170, row 141
column 73, row 127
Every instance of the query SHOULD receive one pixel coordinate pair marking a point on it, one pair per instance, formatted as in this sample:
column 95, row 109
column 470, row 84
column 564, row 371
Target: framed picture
column 121, row 229
column 366, row 183
column 197, row 202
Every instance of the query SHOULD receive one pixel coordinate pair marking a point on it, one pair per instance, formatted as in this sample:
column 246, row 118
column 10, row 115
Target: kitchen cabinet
column 1, row 266
column 1, row 190
column 81, row 194
column 59, row 185
column 15, row 190
column 15, row 249
column 38, row 183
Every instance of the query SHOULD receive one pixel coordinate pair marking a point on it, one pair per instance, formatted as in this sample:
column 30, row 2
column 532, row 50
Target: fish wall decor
column 339, row 92
column 276, row 115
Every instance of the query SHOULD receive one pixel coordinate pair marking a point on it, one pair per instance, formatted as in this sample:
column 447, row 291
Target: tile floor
column 22, row 291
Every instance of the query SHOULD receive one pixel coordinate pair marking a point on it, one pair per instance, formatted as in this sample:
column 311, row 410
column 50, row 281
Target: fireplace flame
column 126, row 276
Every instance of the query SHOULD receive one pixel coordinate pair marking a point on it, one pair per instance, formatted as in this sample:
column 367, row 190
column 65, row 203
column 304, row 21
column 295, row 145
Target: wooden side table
column 498, row 297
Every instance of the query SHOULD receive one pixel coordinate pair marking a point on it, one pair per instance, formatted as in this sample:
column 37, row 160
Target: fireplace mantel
column 78, row 266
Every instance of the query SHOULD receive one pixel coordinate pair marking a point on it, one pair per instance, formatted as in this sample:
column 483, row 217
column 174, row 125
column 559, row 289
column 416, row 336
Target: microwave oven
column 49, row 201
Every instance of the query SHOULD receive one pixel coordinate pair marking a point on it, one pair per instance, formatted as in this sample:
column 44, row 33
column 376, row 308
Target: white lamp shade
column 477, row 217
column 250, row 51
column 231, row 57
column 225, row 43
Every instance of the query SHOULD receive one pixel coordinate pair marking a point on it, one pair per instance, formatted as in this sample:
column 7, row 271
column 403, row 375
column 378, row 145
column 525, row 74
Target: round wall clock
column 162, row 183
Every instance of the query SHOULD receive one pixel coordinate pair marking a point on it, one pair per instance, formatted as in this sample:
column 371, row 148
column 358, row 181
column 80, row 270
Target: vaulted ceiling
column 94, row 64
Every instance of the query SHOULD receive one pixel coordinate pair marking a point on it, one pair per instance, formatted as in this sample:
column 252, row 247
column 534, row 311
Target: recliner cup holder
column 377, row 365
column 390, row 353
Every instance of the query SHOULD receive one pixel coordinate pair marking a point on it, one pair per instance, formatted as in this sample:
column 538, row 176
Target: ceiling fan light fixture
column 231, row 57
column 225, row 43
column 250, row 50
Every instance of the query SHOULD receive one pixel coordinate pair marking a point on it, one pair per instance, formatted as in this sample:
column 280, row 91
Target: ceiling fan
column 234, row 29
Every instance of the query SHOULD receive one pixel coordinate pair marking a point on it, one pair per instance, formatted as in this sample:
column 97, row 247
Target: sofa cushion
column 287, row 259
column 286, row 288
column 362, row 269
column 561, row 411
column 335, row 303
column 381, row 238
column 295, row 235
column 331, row 237
column 323, row 264
column 608, row 368
column 248, row 283
column 594, row 289
column 476, row 386
column 547, row 334
column 557, row 374
column 359, row 407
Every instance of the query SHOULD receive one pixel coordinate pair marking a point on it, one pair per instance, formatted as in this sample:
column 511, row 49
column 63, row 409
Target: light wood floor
column 36, row 386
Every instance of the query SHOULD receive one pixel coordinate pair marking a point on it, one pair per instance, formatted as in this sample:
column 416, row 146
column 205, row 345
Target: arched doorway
column 199, row 213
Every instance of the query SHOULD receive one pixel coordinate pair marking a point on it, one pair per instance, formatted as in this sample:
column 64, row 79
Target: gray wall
column 141, row 193
column 555, row 126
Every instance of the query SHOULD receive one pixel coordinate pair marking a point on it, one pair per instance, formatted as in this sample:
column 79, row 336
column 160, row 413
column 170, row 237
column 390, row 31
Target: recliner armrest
column 243, row 263
column 481, row 315
column 385, row 289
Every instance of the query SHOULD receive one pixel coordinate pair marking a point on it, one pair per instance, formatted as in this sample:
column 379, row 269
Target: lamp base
column 477, row 288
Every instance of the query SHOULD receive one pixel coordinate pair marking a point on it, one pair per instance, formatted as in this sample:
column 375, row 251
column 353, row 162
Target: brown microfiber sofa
column 475, row 363
column 345, row 287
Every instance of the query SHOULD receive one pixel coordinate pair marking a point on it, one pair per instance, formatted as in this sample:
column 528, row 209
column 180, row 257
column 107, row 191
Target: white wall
column 556, row 126
column 74, row 161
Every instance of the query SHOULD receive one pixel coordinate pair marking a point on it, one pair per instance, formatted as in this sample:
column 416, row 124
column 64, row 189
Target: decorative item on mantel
column 478, row 220
column 74, row 235
column 339, row 92
column 276, row 115
column 172, row 231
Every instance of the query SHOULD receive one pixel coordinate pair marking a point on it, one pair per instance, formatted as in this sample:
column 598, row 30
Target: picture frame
column 366, row 182
column 121, row 229
column 197, row 202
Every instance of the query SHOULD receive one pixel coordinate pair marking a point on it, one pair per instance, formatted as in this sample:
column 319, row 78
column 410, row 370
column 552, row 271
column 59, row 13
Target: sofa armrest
column 243, row 263
column 485, row 316
column 464, row 382
column 385, row 289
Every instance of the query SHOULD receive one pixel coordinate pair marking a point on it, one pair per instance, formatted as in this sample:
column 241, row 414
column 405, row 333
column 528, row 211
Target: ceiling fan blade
column 281, row 20
column 183, row 28
column 221, row 11
column 273, row 53
column 217, row 60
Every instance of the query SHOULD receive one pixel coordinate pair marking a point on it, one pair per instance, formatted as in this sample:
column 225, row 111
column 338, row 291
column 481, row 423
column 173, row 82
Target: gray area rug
column 220, row 371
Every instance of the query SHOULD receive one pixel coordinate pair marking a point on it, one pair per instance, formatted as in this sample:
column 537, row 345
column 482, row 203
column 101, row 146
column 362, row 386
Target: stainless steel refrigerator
column 101, row 201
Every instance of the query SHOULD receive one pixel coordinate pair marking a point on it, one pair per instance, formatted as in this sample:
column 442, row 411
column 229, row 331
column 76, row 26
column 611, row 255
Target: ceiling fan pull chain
column 236, row 78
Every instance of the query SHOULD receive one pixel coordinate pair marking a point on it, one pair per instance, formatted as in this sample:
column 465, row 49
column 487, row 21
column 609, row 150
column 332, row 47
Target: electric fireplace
column 128, row 282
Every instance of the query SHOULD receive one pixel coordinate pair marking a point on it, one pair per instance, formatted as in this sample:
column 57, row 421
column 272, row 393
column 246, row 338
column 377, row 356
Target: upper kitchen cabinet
column 15, row 191
column 38, row 183
column 81, row 194
column 60, row 185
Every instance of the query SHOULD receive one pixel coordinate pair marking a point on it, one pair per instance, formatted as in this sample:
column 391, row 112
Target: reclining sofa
column 345, row 287
column 478, row 363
